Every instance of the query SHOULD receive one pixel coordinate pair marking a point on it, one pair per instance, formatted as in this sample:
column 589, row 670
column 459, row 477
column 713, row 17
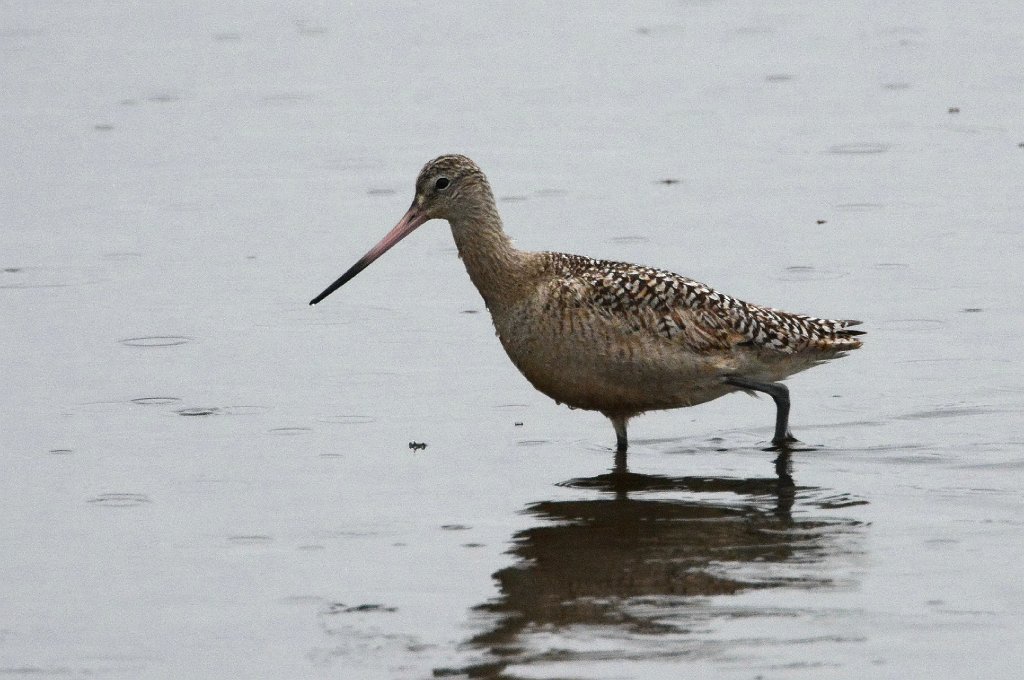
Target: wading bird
column 612, row 337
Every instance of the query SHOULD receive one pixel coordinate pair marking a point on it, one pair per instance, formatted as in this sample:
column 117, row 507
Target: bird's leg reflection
column 641, row 554
column 785, row 492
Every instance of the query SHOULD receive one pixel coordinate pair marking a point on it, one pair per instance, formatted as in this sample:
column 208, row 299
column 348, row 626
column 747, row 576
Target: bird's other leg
column 780, row 395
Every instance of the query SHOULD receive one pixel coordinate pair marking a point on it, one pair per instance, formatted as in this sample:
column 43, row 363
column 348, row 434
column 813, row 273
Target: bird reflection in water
column 644, row 565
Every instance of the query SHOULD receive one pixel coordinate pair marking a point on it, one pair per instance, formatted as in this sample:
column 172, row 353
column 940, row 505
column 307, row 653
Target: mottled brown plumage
column 613, row 337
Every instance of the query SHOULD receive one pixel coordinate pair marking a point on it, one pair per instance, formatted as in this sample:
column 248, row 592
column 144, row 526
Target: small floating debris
column 455, row 527
column 953, row 109
column 669, row 181
column 971, row 310
column 820, row 221
column 417, row 446
column 60, row 452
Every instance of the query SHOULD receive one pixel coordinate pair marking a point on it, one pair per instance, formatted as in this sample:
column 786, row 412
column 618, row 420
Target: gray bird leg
column 621, row 442
column 780, row 395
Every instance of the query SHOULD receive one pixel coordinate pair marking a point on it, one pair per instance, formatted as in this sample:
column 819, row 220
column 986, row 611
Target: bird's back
column 689, row 313
column 610, row 335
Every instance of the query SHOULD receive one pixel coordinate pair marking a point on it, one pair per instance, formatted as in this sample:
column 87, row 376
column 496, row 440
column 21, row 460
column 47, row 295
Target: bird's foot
column 784, row 443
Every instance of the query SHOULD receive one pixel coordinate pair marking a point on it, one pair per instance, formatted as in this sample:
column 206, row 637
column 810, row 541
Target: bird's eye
column 441, row 183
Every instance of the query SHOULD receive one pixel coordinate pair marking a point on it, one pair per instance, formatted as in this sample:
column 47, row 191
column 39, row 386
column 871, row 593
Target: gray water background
column 202, row 477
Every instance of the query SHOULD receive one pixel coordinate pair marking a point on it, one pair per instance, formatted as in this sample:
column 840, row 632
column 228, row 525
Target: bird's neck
column 497, row 268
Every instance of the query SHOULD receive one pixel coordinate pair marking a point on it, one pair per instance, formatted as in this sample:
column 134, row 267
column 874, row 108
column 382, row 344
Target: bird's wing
column 655, row 301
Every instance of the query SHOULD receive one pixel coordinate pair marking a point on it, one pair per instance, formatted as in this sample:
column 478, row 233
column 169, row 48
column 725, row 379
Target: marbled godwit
column 612, row 337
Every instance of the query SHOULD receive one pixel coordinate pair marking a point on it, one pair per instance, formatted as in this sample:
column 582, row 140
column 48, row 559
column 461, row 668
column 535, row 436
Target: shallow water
column 204, row 477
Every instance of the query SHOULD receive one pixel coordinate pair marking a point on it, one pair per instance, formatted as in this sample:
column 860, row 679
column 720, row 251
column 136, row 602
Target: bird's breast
column 594, row 361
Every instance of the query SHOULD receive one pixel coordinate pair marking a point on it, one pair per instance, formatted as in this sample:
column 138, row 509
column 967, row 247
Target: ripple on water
column 512, row 407
column 347, row 420
column 913, row 325
column 250, row 539
column 198, row 411
column 890, row 265
column 955, row 411
column 859, row 207
column 24, row 278
column 809, row 273
column 100, row 407
column 243, row 410
column 859, row 148
column 156, row 341
column 155, row 401
column 121, row 255
column 289, row 431
column 120, row 500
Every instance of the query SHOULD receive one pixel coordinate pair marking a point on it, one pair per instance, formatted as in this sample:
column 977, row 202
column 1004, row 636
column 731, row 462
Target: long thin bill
column 412, row 219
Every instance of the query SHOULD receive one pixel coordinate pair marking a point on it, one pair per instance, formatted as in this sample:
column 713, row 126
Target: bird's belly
column 594, row 364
